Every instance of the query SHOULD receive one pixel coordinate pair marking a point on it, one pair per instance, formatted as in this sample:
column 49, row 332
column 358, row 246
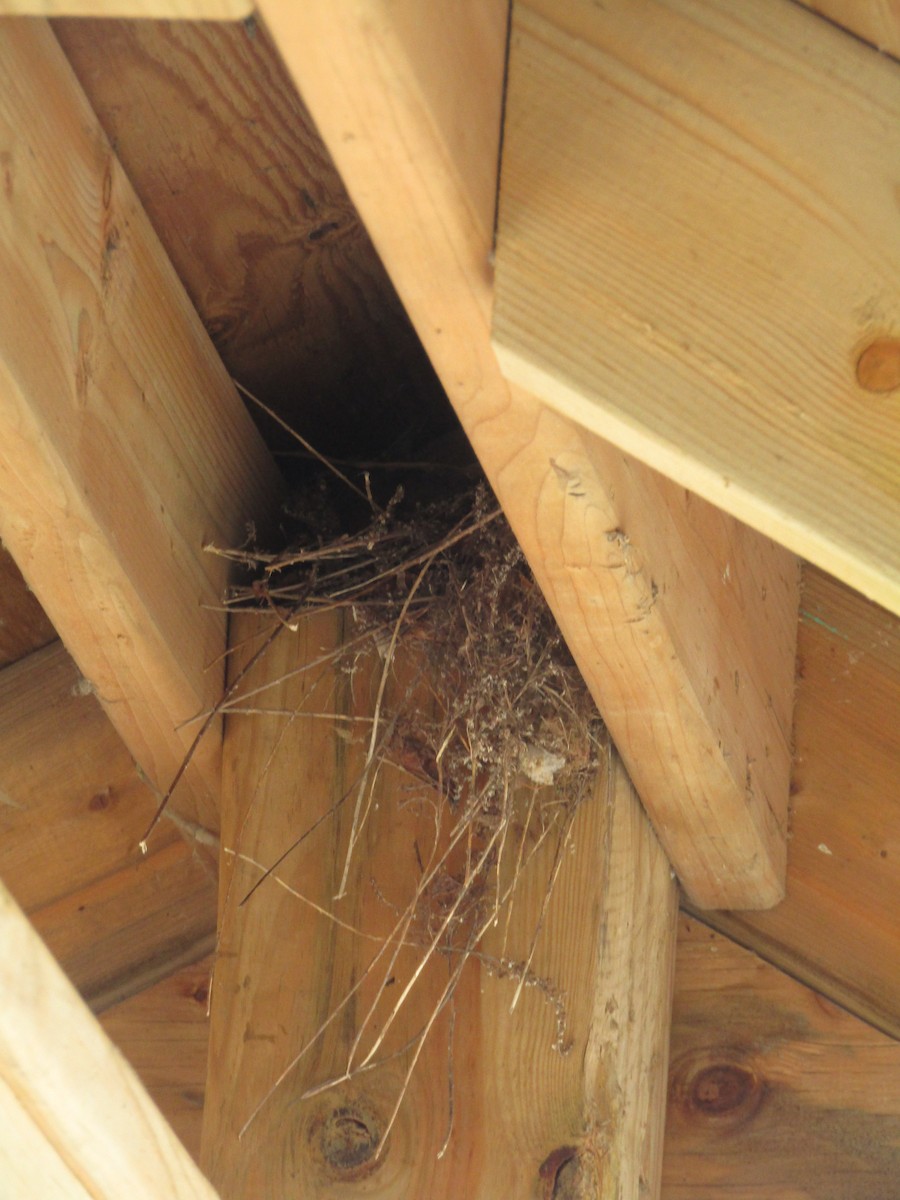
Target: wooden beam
column 773, row 1091
column 166, row 10
column 876, row 21
column 710, row 285
column 837, row 929
column 264, row 237
column 75, row 1120
column 72, row 809
column 758, row 1102
column 664, row 635
column 123, row 447
column 525, row 1116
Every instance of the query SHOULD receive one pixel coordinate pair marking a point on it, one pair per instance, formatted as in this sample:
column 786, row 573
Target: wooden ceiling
column 785, row 1021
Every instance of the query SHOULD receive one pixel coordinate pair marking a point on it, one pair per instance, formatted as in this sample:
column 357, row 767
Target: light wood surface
column 774, row 1092
column 229, row 168
column 175, row 10
column 688, row 757
column 72, row 809
column 839, row 927
column 123, row 446
column 69, row 1100
column 23, row 623
column 878, row 21
column 756, row 1111
column 697, row 258
column 520, row 1107
column 163, row 1031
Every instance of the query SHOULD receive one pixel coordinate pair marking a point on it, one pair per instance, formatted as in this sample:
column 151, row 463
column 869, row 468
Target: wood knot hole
column 566, row 1173
column 349, row 1139
column 878, row 366
column 725, row 1091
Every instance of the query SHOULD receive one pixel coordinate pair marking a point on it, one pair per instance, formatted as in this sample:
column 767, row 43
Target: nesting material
column 478, row 706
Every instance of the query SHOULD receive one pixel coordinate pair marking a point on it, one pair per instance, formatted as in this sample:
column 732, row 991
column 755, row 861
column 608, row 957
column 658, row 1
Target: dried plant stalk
column 480, row 707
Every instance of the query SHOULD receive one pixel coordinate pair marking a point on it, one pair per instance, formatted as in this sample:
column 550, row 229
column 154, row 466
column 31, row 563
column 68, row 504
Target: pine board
column 177, row 10
column 253, row 215
column 621, row 578
column 698, row 258
column 69, row 1101
column 72, row 809
column 163, row 1031
column 124, row 448
column 839, row 927
column 877, row 21
column 520, row 1107
column 24, row 626
column 773, row 1092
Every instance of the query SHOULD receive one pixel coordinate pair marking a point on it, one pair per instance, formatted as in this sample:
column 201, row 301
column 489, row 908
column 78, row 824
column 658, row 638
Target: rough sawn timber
column 124, row 449
column 75, row 1121
column 698, row 258
column 524, row 1116
column 687, row 649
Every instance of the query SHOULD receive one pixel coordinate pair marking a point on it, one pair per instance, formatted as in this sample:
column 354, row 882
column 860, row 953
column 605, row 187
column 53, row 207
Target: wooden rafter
column 712, row 769
column 124, row 449
column 698, row 258
column 76, row 1121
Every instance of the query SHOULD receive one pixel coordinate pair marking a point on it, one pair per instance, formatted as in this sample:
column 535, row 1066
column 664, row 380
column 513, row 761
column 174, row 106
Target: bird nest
column 477, row 701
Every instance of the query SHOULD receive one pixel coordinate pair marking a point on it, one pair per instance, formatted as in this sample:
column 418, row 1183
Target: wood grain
column 838, row 928
column 634, row 629
column 24, row 626
column 72, row 809
column 524, row 1114
column 246, row 200
column 773, row 1091
column 163, row 1032
column 756, row 1107
column 178, row 10
column 877, row 21
column 685, row 270
column 124, row 446
column 88, row 1125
